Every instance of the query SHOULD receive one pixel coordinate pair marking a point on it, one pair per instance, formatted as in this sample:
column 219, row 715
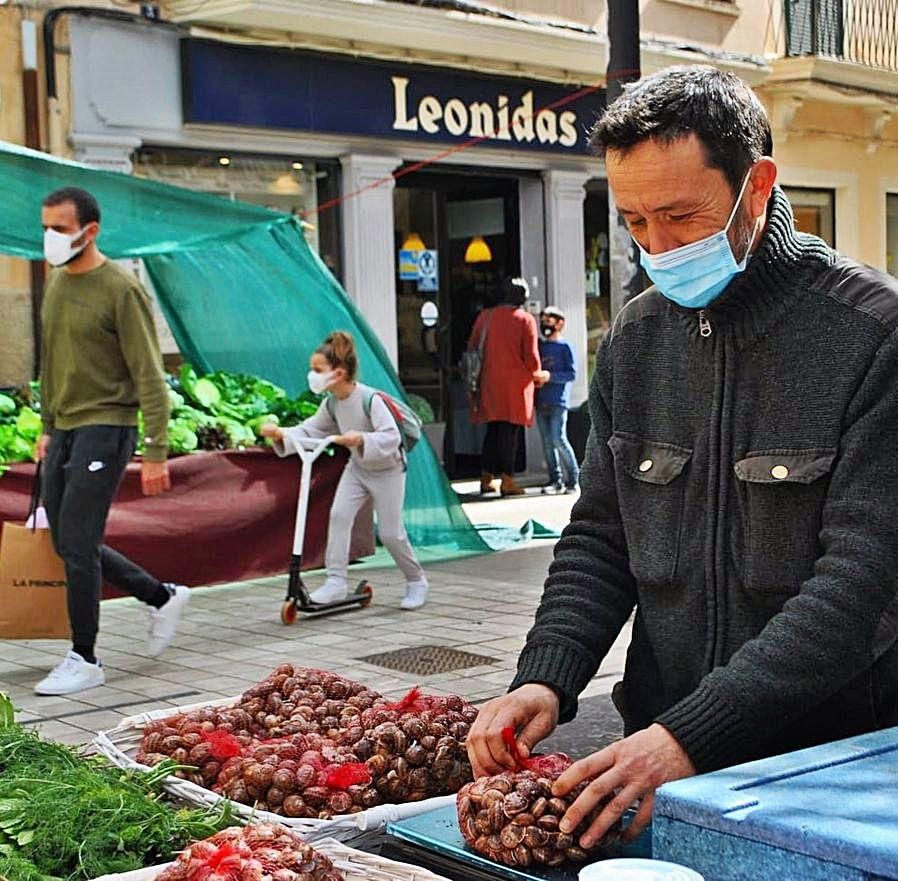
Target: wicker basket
column 354, row 864
column 119, row 745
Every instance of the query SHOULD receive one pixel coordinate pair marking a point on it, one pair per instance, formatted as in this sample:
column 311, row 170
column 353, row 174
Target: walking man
column 100, row 363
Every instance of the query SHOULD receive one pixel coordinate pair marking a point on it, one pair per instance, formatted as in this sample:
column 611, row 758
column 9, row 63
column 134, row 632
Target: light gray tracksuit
column 375, row 469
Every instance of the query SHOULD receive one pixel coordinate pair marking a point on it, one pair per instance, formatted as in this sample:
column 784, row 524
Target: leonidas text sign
column 292, row 89
column 32, row 585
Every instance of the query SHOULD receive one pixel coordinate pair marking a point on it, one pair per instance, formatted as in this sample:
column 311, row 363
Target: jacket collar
column 784, row 263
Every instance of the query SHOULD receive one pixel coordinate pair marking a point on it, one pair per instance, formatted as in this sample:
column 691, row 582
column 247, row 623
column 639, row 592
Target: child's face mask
column 319, row 382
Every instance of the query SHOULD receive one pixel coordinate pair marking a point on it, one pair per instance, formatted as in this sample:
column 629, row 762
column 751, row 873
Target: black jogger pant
column 82, row 473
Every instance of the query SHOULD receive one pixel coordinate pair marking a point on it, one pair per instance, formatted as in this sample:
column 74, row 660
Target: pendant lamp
column 478, row 251
column 414, row 242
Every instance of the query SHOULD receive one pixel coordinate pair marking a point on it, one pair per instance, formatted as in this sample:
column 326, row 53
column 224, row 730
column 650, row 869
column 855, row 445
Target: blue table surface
column 438, row 831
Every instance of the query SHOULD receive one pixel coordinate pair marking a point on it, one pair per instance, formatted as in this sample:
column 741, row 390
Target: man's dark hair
column 86, row 207
column 721, row 110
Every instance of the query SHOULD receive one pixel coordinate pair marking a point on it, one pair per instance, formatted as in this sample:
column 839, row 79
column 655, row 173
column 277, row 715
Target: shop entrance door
column 471, row 221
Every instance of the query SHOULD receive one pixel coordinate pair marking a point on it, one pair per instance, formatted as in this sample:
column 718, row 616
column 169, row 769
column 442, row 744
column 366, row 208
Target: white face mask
column 58, row 246
column 318, row 382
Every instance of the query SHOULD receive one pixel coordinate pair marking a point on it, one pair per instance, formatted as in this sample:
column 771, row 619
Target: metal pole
column 31, row 110
column 623, row 67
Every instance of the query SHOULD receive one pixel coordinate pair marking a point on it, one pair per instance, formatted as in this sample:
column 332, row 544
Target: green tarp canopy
column 242, row 291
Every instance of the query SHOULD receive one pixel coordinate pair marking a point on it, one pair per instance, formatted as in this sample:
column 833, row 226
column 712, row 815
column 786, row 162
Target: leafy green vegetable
column 206, row 393
column 67, row 818
column 218, row 411
column 181, row 438
column 28, row 424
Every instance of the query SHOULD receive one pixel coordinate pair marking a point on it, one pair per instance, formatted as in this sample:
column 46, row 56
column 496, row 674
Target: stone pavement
column 231, row 635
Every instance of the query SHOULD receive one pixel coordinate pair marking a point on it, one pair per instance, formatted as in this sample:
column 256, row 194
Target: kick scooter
column 297, row 599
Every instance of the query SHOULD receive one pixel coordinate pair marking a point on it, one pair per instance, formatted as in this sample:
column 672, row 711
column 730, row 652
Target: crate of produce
column 828, row 813
column 353, row 865
column 381, row 742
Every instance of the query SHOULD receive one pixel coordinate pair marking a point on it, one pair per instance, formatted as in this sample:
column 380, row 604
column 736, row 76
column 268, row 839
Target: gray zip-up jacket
column 740, row 491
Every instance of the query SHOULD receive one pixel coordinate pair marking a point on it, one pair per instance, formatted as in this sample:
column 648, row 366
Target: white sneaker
column 332, row 591
column 71, row 674
column 415, row 595
column 164, row 621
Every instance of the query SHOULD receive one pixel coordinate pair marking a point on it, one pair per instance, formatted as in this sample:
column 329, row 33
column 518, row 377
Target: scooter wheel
column 288, row 612
column 366, row 592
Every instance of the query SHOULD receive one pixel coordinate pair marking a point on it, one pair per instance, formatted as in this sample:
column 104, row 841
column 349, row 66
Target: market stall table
column 229, row 516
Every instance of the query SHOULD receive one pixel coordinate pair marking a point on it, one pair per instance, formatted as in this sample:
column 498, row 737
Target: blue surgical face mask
column 694, row 274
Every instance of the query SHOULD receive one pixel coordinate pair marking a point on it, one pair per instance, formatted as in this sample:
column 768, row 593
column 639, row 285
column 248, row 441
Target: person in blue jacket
column 552, row 401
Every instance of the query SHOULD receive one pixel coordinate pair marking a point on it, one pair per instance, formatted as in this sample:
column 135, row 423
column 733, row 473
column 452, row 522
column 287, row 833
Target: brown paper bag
column 32, row 586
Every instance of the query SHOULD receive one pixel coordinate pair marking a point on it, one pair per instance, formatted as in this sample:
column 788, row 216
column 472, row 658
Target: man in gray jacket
column 740, row 478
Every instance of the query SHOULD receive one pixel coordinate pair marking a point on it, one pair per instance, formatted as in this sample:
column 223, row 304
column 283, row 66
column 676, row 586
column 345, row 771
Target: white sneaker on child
column 164, row 621
column 415, row 595
column 332, row 591
column 70, row 675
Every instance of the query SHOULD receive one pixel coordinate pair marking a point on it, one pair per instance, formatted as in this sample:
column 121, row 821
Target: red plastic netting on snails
column 415, row 747
column 513, row 818
column 259, row 852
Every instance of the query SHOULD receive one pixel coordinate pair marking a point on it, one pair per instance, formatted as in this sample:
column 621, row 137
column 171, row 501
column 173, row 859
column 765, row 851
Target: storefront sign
column 428, row 272
column 408, row 265
column 298, row 90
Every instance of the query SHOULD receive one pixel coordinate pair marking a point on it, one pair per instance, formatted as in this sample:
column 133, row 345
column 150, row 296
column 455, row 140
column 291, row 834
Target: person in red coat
column 511, row 369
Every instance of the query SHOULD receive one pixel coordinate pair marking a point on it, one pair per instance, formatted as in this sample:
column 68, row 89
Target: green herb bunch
column 68, row 818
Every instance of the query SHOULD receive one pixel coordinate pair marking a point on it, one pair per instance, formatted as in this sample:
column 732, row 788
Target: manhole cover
column 427, row 659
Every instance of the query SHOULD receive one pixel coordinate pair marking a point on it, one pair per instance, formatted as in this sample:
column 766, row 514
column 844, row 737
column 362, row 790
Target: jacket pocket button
column 646, row 465
column 779, row 472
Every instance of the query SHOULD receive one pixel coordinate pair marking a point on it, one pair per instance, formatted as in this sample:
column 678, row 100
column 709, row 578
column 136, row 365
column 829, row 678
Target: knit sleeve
column 140, row 348
column 590, row 590
column 566, row 370
column 844, row 616
column 381, row 444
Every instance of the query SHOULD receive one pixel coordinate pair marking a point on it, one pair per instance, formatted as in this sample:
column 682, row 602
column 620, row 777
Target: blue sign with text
column 307, row 91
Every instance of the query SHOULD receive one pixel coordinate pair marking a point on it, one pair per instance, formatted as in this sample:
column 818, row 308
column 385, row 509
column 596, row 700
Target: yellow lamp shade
column 478, row 251
column 414, row 242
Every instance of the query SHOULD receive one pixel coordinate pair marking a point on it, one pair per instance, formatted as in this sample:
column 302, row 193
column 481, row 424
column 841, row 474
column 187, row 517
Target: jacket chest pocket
column 782, row 494
column 650, row 491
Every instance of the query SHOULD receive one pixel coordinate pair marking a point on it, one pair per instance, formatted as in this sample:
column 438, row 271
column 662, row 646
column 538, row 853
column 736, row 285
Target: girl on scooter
column 362, row 423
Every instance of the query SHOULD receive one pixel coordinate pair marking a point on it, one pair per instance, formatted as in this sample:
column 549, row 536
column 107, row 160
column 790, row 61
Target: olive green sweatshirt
column 100, row 358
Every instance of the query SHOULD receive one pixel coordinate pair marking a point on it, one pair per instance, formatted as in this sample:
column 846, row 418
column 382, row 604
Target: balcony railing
column 861, row 31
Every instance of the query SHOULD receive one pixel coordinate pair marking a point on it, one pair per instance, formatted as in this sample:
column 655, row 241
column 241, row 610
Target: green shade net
column 242, row 291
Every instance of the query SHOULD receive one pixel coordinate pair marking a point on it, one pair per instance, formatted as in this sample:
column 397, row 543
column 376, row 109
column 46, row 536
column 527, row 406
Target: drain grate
column 426, row 659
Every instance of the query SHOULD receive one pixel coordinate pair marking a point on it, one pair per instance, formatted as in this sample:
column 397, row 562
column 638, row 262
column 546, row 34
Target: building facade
column 458, row 127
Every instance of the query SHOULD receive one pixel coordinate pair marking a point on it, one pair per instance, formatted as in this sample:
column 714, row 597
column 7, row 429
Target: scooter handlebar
column 313, row 446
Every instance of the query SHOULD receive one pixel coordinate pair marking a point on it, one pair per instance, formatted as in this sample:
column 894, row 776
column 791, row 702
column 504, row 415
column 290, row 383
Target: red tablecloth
column 229, row 516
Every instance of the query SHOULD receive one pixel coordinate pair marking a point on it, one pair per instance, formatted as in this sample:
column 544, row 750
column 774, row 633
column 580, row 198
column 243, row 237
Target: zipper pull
column 704, row 326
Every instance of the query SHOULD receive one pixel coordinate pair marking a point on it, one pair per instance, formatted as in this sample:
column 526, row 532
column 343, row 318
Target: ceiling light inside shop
column 285, row 185
column 478, row 251
column 224, row 160
column 297, row 166
column 414, row 242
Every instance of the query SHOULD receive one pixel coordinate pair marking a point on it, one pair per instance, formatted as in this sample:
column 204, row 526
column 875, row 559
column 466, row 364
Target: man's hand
column 41, row 448
column 154, row 478
column 531, row 710
column 541, row 377
column 350, row 439
column 633, row 768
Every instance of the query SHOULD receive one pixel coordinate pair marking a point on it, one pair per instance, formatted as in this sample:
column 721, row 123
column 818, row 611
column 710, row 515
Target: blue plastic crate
column 829, row 813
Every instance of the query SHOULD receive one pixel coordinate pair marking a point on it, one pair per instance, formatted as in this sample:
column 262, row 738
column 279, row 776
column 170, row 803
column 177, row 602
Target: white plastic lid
column 637, row 870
